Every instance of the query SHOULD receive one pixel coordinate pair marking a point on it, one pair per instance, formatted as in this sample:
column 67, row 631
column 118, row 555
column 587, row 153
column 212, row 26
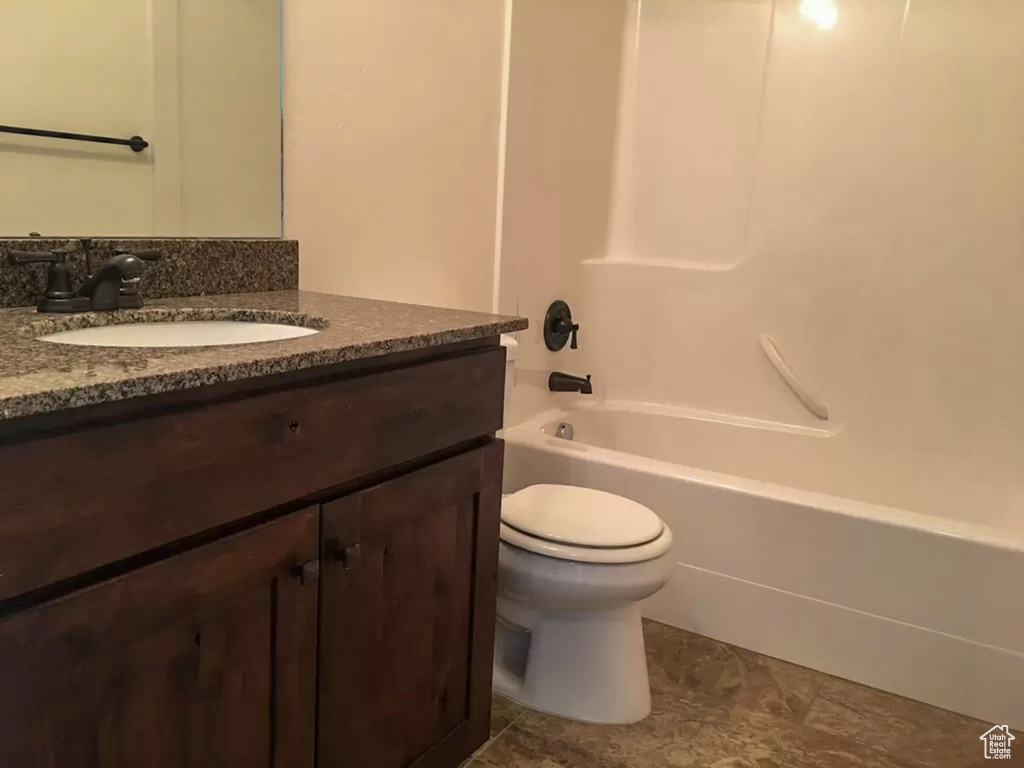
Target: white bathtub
column 775, row 554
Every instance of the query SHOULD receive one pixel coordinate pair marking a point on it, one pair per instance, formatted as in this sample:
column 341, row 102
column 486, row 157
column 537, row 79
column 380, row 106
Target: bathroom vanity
column 278, row 554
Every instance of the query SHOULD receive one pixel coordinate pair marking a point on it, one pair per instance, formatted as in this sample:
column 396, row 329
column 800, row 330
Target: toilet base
column 584, row 665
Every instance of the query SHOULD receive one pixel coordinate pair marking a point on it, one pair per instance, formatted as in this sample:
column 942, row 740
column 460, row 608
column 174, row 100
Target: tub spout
column 564, row 382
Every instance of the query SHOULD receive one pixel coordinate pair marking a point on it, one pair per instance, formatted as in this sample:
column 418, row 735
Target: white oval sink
column 189, row 333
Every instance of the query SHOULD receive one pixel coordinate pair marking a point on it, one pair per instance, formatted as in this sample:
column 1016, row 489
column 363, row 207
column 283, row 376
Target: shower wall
column 854, row 191
column 563, row 84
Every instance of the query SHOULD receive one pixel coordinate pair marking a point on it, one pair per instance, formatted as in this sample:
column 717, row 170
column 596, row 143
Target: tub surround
column 187, row 267
column 37, row 376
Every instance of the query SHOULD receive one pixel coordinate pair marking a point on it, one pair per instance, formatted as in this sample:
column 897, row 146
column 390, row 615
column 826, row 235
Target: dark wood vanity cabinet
column 205, row 658
column 407, row 616
column 350, row 628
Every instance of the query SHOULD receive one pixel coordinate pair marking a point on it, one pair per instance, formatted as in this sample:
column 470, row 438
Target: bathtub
column 779, row 551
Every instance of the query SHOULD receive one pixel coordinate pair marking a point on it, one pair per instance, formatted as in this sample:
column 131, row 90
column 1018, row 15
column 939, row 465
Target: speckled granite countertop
column 39, row 376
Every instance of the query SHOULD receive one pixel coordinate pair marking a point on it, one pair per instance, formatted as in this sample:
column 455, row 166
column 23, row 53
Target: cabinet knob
column 307, row 571
column 347, row 556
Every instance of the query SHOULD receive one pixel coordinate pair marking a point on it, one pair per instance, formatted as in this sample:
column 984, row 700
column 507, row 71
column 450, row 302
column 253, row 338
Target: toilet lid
column 580, row 517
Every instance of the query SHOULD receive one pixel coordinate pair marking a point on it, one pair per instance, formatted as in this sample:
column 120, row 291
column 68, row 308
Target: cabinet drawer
column 75, row 502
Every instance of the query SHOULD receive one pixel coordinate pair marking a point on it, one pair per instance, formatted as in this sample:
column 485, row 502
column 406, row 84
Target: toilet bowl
column 573, row 565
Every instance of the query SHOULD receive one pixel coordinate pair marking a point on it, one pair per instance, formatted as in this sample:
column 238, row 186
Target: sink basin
column 189, row 333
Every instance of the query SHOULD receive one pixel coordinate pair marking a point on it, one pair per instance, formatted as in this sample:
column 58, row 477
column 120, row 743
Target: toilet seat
column 582, row 525
column 608, row 556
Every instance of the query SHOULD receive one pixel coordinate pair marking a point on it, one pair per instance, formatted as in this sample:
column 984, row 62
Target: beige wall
column 391, row 146
column 200, row 81
column 563, row 96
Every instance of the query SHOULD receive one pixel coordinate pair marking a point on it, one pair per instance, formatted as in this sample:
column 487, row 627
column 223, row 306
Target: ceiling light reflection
column 824, row 14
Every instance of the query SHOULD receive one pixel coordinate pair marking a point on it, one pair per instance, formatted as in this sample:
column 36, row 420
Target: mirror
column 198, row 82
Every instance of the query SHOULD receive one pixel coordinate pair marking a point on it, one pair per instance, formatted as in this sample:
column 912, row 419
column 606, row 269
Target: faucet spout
column 565, row 382
column 104, row 287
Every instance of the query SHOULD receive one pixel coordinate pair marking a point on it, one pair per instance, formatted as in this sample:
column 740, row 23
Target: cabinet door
column 407, row 617
column 204, row 659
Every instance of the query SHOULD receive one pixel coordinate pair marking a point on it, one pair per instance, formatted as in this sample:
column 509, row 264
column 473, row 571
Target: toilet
column 573, row 564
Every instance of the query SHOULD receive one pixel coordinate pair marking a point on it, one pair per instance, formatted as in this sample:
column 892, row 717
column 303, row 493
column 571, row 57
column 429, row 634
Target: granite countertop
column 39, row 376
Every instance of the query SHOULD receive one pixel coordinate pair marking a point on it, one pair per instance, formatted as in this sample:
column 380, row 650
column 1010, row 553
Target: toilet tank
column 511, row 355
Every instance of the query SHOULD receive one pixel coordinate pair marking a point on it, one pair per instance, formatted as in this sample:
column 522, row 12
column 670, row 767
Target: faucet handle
column 566, row 327
column 36, row 257
column 559, row 327
column 145, row 254
column 59, row 296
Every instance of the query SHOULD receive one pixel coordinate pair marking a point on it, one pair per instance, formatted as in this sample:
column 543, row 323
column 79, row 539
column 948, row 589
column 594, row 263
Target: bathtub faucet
column 564, row 382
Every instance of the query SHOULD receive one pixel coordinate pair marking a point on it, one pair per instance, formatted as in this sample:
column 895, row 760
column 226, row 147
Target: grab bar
column 810, row 402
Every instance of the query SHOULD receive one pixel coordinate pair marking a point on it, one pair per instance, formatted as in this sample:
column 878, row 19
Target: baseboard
column 939, row 669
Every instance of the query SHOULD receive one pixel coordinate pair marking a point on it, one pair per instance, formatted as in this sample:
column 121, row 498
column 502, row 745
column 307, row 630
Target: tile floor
column 716, row 706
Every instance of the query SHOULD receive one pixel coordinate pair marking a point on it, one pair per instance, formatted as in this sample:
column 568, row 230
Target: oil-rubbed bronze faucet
column 113, row 286
column 565, row 382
